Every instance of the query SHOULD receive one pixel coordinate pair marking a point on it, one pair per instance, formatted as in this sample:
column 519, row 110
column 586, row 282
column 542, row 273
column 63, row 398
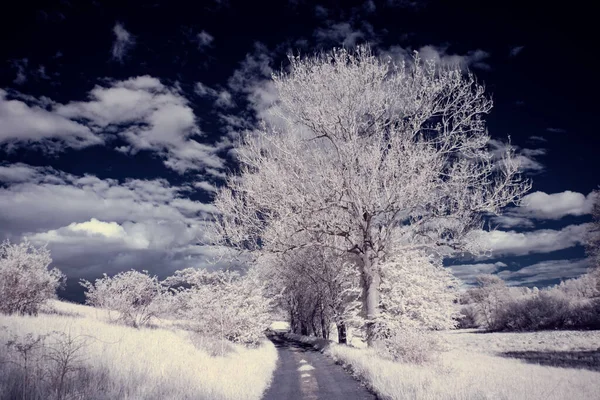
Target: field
column 110, row 361
column 476, row 366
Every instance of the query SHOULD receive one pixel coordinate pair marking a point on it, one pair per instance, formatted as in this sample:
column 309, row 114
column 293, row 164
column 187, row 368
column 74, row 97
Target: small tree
column 489, row 296
column 224, row 304
column 418, row 292
column 26, row 281
column 136, row 296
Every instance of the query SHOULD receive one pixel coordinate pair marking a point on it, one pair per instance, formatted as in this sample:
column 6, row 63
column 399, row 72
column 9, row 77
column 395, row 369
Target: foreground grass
column 125, row 363
column 474, row 373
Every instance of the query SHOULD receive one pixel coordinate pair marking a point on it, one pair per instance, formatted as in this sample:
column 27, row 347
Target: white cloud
column 511, row 243
column 149, row 116
column 89, row 223
column 541, row 205
column 206, row 186
column 538, row 138
column 556, row 130
column 544, row 206
column 22, row 123
column 21, row 67
column 124, row 42
column 341, row 33
column 222, row 97
column 440, row 56
column 545, row 271
column 512, row 221
column 516, row 50
column 525, row 157
column 204, row 39
column 468, row 272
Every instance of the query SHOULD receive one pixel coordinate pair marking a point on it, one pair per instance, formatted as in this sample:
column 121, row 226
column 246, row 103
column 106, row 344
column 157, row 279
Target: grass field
column 476, row 366
column 118, row 362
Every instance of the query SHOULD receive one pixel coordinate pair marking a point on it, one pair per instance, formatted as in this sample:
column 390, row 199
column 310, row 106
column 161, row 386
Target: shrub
column 26, row 282
column 136, row 296
column 225, row 305
column 550, row 309
column 409, row 346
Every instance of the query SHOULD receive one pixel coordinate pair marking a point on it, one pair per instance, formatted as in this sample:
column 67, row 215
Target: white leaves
column 136, row 296
column 25, row 280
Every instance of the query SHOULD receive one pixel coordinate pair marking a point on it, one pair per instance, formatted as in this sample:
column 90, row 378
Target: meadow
column 85, row 357
column 476, row 366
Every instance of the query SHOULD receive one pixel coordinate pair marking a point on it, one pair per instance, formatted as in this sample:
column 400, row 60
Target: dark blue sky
column 116, row 117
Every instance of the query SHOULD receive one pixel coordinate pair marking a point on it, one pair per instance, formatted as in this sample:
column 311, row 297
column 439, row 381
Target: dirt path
column 305, row 374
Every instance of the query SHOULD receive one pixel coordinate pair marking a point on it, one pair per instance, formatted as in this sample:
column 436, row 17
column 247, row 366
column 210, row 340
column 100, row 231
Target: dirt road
column 305, row 374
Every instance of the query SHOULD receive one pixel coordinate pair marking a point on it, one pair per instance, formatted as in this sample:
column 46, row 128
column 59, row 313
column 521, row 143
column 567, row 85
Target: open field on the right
column 473, row 368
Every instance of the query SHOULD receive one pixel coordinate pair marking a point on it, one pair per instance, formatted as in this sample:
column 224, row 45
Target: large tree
column 378, row 157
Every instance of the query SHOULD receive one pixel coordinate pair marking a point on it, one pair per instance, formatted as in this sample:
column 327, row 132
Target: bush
column 136, row 296
column 550, row 309
column 26, row 283
column 224, row 305
column 409, row 346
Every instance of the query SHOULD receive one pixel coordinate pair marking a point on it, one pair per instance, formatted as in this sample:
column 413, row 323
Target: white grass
column 497, row 342
column 151, row 363
column 470, row 369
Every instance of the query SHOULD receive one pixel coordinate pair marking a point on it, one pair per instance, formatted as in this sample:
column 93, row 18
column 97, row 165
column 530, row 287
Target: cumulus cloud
column 23, row 123
column 544, row 206
column 546, row 271
column 541, row 205
column 89, row 222
column 149, row 116
column 511, row 243
column 124, row 42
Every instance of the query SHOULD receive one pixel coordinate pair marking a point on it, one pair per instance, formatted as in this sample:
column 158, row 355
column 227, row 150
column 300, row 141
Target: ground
column 303, row 373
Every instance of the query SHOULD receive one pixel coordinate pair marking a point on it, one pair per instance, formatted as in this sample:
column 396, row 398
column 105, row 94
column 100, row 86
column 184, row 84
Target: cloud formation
column 25, row 124
column 123, row 43
column 511, row 243
column 89, row 222
column 468, row 272
column 545, row 271
column 148, row 116
column 543, row 206
column 204, row 40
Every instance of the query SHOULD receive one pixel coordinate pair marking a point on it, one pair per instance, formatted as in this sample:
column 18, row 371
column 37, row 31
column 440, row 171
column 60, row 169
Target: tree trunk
column 303, row 328
column 341, row 328
column 324, row 330
column 371, row 282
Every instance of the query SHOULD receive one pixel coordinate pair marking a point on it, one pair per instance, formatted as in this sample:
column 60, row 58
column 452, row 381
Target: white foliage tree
column 224, row 304
column 26, row 281
column 378, row 157
column 417, row 292
column 315, row 282
column 136, row 296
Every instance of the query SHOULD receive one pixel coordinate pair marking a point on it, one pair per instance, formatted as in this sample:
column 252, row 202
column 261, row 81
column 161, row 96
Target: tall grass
column 463, row 375
column 126, row 363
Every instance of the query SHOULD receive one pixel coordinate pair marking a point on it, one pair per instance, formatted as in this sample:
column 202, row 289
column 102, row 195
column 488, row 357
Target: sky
column 117, row 118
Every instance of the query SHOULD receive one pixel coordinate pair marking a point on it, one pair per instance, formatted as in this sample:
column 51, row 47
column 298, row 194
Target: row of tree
column 572, row 304
column 220, row 304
